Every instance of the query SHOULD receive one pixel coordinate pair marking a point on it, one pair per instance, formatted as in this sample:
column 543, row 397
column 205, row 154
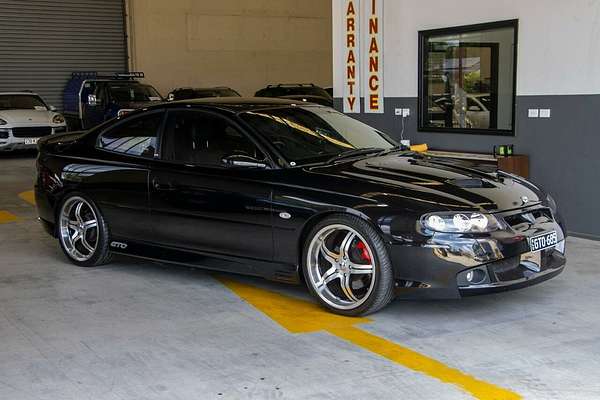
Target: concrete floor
column 142, row 330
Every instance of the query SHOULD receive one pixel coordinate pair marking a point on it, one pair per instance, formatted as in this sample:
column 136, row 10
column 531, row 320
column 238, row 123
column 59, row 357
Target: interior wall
column 244, row 44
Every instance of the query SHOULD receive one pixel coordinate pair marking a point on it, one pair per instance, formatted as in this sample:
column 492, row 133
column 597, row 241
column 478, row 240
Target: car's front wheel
column 347, row 267
column 82, row 232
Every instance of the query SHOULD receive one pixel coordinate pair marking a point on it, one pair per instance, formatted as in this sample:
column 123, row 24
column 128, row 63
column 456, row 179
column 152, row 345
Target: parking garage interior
column 507, row 85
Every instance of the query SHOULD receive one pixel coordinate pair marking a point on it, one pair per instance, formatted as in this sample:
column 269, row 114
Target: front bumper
column 10, row 143
column 437, row 267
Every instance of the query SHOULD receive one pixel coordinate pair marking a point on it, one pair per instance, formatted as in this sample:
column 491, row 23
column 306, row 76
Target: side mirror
column 170, row 97
column 243, row 161
column 92, row 100
column 52, row 108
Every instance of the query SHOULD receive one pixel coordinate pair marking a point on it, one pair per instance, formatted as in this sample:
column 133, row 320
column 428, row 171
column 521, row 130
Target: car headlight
column 3, row 122
column 467, row 222
column 58, row 119
column 551, row 203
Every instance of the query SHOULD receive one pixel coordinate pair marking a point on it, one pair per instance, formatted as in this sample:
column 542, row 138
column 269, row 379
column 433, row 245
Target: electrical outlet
column 398, row 111
column 534, row 113
column 545, row 113
column 405, row 112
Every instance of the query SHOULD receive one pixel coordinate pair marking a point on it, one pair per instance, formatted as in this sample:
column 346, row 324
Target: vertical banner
column 373, row 56
column 351, row 37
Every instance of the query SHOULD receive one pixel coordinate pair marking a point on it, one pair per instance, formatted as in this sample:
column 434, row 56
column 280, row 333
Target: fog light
column 475, row 276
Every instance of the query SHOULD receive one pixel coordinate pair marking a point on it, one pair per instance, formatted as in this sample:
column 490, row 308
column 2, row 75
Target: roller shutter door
column 42, row 42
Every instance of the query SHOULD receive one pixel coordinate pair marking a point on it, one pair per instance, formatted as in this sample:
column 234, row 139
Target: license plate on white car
column 31, row 141
column 544, row 241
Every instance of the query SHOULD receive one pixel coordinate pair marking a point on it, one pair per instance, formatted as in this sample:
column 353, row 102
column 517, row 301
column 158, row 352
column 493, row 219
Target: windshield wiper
column 354, row 152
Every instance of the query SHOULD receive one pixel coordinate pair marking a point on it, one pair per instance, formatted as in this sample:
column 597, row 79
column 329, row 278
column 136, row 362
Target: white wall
column 559, row 41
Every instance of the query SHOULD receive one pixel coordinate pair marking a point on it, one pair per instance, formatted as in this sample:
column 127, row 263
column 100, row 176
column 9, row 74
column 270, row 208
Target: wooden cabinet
column 517, row 164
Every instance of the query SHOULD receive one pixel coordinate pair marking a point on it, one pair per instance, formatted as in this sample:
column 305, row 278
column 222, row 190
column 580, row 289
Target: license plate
column 544, row 241
column 31, row 141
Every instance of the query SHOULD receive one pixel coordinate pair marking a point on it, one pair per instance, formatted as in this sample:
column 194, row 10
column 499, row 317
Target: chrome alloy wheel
column 78, row 229
column 340, row 267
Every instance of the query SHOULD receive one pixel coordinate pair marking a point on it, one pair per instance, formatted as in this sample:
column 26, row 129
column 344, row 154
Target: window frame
column 424, row 36
column 131, row 118
column 244, row 132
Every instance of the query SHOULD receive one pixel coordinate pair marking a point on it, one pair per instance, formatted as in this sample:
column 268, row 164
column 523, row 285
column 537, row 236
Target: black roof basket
column 292, row 85
column 116, row 75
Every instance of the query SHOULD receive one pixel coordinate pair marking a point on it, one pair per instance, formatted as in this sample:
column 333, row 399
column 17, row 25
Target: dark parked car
column 292, row 192
column 306, row 92
column 91, row 98
column 201, row 93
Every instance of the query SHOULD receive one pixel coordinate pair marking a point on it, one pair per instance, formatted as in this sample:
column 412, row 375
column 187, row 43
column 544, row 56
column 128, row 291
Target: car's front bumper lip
column 511, row 285
column 522, row 276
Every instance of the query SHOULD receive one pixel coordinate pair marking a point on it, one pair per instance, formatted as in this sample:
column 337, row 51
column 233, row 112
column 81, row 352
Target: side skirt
column 218, row 262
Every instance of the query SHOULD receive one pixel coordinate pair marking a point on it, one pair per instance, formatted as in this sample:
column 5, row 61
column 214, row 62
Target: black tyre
column 347, row 267
column 82, row 231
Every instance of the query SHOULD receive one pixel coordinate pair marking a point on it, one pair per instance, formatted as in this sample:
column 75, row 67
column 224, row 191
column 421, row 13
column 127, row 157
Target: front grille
column 529, row 217
column 31, row 132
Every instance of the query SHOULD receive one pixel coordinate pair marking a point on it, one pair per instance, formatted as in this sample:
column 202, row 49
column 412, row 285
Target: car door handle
column 162, row 186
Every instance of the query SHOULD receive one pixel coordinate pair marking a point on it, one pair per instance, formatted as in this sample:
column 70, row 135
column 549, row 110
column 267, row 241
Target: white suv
column 24, row 118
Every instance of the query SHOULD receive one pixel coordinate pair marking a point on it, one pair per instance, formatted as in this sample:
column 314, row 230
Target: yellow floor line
column 300, row 316
column 6, row 217
column 421, row 363
column 28, row 196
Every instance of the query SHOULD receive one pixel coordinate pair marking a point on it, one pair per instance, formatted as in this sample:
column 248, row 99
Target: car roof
column 234, row 104
column 202, row 88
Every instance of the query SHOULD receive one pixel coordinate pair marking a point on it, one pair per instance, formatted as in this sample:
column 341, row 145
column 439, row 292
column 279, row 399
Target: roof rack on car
column 116, row 75
column 291, row 85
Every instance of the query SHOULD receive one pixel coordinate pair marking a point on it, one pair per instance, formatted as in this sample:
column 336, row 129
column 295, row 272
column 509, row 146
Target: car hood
column 431, row 183
column 27, row 116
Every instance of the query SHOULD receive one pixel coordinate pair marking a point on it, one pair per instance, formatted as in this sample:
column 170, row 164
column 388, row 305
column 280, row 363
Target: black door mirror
column 240, row 160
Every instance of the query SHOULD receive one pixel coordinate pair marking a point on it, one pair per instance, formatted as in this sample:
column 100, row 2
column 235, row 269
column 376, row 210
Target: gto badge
column 118, row 245
column 525, row 199
column 285, row 215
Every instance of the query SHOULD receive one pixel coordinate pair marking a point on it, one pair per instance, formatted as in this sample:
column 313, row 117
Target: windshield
column 133, row 92
column 22, row 102
column 311, row 134
column 281, row 91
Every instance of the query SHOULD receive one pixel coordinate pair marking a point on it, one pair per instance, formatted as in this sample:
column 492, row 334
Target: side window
column 100, row 93
column 137, row 137
column 195, row 137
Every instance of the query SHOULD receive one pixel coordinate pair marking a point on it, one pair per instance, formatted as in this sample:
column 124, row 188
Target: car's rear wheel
column 82, row 232
column 347, row 267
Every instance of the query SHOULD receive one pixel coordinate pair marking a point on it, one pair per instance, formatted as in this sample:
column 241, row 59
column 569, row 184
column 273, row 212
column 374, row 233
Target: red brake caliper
column 364, row 253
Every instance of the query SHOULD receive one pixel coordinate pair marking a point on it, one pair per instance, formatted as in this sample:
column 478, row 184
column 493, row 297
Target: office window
column 467, row 79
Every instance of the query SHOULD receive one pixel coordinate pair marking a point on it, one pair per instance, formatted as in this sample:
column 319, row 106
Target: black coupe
column 291, row 192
